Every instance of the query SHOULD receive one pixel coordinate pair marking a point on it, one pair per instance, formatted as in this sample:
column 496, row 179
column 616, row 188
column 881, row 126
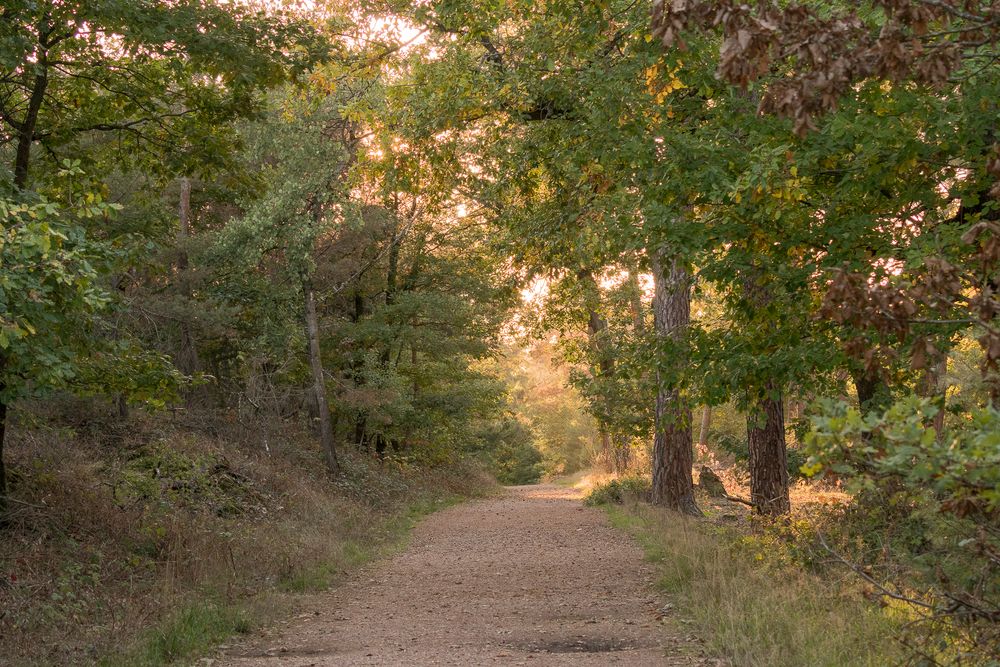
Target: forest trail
column 529, row 578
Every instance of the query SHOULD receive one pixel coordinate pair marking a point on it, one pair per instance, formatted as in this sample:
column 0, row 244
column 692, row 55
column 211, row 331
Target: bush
column 619, row 491
column 510, row 452
column 925, row 525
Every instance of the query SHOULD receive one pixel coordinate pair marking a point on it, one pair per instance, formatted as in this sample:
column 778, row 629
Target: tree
column 72, row 76
column 568, row 173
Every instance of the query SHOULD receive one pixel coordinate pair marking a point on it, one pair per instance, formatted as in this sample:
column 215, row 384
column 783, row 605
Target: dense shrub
column 924, row 528
column 619, row 491
column 509, row 450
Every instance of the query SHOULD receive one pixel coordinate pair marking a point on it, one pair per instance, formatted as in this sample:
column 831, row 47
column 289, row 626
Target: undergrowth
column 619, row 491
column 147, row 541
column 745, row 592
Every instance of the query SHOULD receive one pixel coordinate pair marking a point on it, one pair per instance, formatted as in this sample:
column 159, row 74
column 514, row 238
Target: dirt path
column 531, row 578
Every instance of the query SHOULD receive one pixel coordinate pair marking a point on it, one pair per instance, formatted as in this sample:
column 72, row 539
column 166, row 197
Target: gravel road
column 529, row 578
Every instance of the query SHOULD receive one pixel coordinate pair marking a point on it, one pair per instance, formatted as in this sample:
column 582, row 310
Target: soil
column 529, row 578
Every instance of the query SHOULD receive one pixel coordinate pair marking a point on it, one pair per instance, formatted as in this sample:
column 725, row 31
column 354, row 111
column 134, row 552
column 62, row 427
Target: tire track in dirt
column 529, row 578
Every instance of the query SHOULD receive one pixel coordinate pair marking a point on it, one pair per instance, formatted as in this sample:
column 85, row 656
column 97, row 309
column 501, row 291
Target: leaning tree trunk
column 673, row 455
column 319, row 381
column 768, row 457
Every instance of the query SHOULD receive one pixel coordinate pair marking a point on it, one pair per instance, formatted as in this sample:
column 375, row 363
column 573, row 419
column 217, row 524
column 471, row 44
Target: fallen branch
column 858, row 570
column 21, row 502
column 737, row 499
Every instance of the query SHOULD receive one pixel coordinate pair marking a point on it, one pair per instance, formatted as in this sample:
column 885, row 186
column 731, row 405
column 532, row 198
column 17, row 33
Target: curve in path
column 529, row 578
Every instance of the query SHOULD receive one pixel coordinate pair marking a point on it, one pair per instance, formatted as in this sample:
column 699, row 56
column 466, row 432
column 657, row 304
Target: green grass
column 348, row 555
column 389, row 538
column 196, row 629
column 755, row 610
column 190, row 631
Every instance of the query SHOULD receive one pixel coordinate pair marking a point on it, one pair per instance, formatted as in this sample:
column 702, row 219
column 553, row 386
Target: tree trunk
column 391, row 286
column 673, row 456
column 873, row 392
column 635, row 302
column 706, row 422
column 603, row 368
column 188, row 361
column 319, row 381
column 932, row 388
column 622, row 453
column 26, row 128
column 360, row 419
column 766, row 423
column 3, row 468
column 768, row 458
column 607, row 456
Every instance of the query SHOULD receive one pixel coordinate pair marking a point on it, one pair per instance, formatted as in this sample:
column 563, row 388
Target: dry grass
column 750, row 604
column 150, row 540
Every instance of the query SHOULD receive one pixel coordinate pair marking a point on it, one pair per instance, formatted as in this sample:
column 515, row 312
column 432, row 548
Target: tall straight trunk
column 3, row 468
column 768, row 457
column 188, row 357
column 706, row 422
column 622, row 453
column 413, row 365
column 673, row 456
column 391, row 285
column 392, row 273
column 766, row 423
column 635, row 303
column 319, row 381
column 602, row 368
column 933, row 387
column 360, row 419
column 607, row 455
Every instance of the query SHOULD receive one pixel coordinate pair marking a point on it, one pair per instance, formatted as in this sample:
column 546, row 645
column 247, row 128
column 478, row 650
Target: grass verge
column 753, row 609
column 203, row 624
column 147, row 542
column 192, row 630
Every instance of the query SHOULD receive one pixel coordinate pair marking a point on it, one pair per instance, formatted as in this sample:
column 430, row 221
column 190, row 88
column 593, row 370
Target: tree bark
column 607, row 455
column 873, row 392
column 391, row 284
column 26, row 128
column 766, row 423
column 3, row 468
column 360, row 419
column 706, row 422
column 319, row 381
column 602, row 368
column 932, row 388
column 673, row 456
column 768, row 457
column 635, row 303
column 188, row 357
column 622, row 453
